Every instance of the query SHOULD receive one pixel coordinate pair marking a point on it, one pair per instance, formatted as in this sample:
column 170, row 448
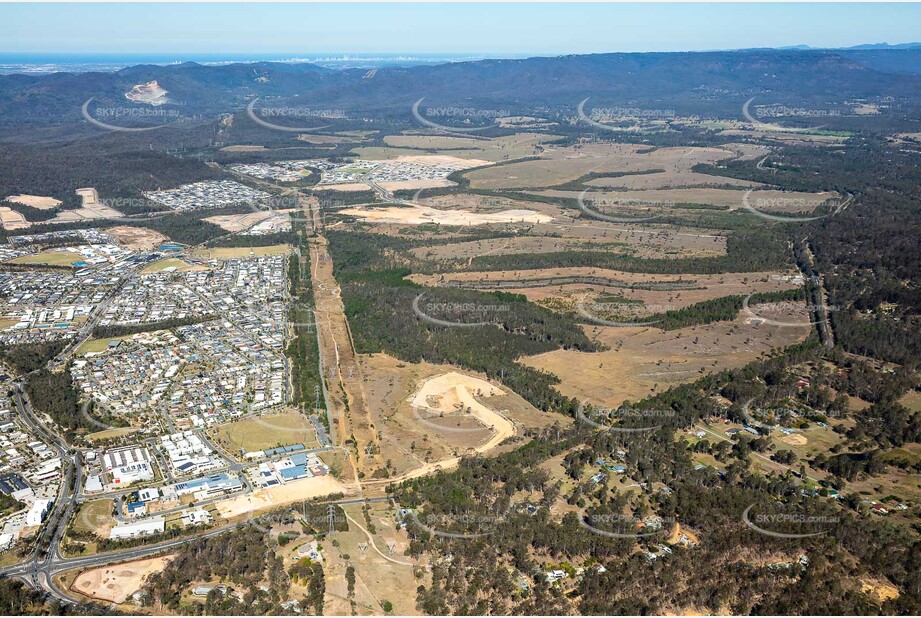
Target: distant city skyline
column 292, row 30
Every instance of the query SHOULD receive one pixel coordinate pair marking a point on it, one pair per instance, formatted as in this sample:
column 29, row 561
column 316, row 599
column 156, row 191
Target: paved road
column 46, row 560
column 40, row 574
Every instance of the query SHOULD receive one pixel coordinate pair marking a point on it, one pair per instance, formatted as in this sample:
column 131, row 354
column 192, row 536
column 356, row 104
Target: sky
column 391, row 28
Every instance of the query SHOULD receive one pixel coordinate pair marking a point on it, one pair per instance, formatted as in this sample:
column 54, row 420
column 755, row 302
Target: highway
column 40, row 573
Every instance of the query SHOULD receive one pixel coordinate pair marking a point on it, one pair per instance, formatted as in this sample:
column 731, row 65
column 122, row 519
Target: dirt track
column 460, row 385
column 342, row 372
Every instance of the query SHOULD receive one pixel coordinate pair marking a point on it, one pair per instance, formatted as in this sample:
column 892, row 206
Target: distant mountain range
column 858, row 47
column 685, row 82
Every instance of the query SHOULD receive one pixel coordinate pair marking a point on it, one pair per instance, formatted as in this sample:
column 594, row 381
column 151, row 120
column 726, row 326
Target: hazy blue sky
column 446, row 28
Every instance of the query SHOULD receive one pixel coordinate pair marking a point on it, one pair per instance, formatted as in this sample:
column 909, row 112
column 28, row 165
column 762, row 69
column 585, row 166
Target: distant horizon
column 80, row 62
column 296, row 55
column 548, row 29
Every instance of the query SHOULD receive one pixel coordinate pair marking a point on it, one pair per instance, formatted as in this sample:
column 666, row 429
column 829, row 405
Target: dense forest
column 54, row 394
column 28, row 357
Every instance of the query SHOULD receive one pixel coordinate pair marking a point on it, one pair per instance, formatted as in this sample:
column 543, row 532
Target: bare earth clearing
column 12, row 220
column 703, row 287
column 642, row 361
column 561, row 165
column 392, row 385
column 498, row 149
column 140, row 238
column 292, row 491
column 35, row 201
column 116, row 583
column 236, row 223
column 421, row 215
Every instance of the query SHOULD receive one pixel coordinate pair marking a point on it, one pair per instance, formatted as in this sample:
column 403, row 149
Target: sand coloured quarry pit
column 115, row 583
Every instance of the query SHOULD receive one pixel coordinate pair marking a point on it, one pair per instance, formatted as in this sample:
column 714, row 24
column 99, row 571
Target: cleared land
column 12, row 220
column 639, row 244
column 641, row 361
column 293, row 491
column 661, row 168
column 453, row 394
column 244, row 148
column 667, row 200
column 345, row 387
column 236, row 223
column 35, row 201
column 263, row 432
column 379, row 576
column 498, row 149
column 693, row 288
column 435, row 432
column 229, row 253
column 421, row 215
column 912, row 401
column 94, row 346
column 95, row 517
column 140, row 238
column 108, row 434
column 118, row 582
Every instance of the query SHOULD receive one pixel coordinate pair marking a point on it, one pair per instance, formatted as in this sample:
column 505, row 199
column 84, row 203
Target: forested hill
column 714, row 83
